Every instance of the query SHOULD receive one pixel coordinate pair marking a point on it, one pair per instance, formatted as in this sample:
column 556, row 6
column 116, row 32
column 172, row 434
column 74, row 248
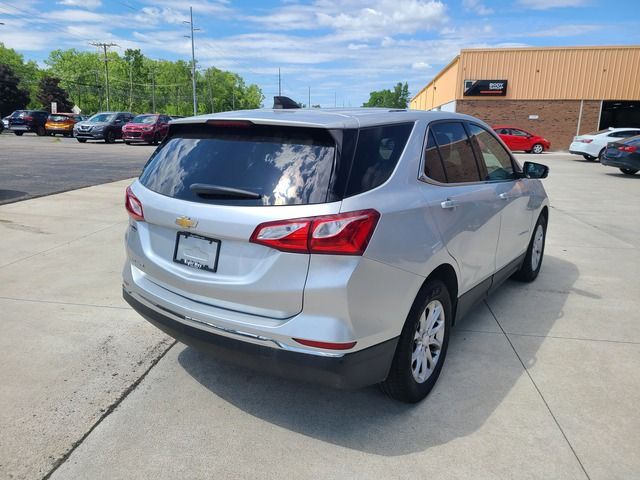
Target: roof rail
column 284, row 103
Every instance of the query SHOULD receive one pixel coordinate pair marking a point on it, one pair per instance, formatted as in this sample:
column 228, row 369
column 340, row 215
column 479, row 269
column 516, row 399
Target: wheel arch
column 446, row 274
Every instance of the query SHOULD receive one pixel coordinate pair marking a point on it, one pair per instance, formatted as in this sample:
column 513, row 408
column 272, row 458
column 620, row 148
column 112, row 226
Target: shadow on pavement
column 11, row 195
column 479, row 372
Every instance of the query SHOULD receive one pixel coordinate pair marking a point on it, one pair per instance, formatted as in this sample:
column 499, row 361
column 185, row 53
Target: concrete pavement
column 541, row 381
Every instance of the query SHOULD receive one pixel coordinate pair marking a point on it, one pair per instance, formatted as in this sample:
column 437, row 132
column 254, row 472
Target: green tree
column 49, row 90
column 27, row 73
column 12, row 97
column 398, row 98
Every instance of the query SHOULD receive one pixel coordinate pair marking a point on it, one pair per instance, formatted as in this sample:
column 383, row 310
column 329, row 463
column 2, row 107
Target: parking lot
column 541, row 380
column 31, row 166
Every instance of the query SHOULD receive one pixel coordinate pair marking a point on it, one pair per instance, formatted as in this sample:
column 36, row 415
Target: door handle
column 448, row 203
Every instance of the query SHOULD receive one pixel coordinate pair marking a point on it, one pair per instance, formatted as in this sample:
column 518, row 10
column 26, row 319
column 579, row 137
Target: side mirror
column 534, row 170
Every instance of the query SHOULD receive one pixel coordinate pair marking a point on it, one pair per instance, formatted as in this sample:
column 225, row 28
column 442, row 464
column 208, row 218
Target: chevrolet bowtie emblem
column 186, row 222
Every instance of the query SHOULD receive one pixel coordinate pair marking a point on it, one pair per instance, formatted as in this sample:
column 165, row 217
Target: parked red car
column 147, row 128
column 518, row 139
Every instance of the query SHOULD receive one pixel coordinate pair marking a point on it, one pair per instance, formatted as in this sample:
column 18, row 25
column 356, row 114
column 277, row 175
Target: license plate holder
column 196, row 251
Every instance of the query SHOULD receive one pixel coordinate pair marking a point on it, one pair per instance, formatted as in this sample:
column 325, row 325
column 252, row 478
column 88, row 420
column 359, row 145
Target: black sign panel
column 486, row 88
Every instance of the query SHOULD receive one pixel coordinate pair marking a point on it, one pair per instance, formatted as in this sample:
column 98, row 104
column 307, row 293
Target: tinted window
column 624, row 134
column 455, row 150
column 495, row 161
column 503, row 131
column 432, row 162
column 377, row 153
column 285, row 166
column 519, row 133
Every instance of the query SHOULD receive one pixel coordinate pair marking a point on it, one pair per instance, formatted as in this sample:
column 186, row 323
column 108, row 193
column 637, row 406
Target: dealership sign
column 485, row 88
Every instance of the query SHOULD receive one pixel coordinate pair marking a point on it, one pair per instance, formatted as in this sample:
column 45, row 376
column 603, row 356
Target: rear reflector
column 341, row 234
column 133, row 205
column 628, row 148
column 327, row 345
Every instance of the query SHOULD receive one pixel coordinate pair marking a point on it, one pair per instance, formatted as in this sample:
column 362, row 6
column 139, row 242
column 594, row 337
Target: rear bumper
column 632, row 164
column 351, row 370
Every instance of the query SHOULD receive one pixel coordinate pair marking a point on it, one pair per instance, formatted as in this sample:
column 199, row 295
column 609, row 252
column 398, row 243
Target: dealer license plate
column 196, row 251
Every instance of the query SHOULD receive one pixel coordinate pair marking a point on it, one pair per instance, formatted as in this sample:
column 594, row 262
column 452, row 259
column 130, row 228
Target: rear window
column 58, row 118
column 282, row 165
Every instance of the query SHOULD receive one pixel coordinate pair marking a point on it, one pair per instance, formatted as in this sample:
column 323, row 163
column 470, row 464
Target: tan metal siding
column 589, row 73
column 442, row 89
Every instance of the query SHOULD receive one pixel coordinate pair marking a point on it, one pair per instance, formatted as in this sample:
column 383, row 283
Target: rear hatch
column 204, row 192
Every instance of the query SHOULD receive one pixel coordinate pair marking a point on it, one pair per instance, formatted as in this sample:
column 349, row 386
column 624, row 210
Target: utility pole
column 309, row 100
column 153, row 89
column 193, row 61
column 106, row 64
column 279, row 83
column 131, row 85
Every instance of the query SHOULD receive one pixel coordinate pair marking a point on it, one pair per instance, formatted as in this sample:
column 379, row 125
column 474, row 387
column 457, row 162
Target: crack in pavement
column 111, row 408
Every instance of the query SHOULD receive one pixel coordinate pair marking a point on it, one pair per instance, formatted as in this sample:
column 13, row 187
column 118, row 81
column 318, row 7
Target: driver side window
column 494, row 161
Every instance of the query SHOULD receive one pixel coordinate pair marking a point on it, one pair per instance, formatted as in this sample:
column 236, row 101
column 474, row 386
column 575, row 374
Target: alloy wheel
column 538, row 245
column 427, row 341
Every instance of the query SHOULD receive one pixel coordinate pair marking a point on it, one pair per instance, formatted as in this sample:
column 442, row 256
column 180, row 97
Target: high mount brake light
column 133, row 205
column 230, row 123
column 341, row 234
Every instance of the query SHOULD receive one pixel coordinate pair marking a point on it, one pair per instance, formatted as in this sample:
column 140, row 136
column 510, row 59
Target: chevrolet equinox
column 336, row 246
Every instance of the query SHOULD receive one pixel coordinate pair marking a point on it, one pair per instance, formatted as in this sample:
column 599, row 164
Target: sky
column 340, row 50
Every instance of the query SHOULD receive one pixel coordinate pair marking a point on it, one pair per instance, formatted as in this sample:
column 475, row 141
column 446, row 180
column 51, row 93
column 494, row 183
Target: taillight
column 586, row 140
column 628, row 148
column 27, row 118
column 133, row 206
column 341, row 234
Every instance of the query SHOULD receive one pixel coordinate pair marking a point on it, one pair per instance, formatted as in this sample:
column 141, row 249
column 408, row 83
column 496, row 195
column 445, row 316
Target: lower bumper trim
column 352, row 370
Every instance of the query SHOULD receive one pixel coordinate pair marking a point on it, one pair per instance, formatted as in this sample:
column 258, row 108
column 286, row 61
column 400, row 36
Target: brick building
column 556, row 92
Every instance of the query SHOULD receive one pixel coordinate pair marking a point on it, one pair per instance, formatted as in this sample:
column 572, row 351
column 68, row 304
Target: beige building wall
column 555, row 73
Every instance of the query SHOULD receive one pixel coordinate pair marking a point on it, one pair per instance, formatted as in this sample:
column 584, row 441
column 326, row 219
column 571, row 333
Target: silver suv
column 333, row 246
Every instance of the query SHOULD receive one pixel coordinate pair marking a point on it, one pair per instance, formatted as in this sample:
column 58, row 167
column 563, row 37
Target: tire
column 156, row 139
column 109, row 137
column 532, row 263
column 81, row 140
column 409, row 378
column 18, row 133
column 40, row 131
column 628, row 171
column 127, row 143
column 600, row 155
column 537, row 148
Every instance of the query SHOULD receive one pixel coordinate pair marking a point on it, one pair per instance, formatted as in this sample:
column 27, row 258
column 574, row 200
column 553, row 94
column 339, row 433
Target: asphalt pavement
column 541, row 381
column 31, row 166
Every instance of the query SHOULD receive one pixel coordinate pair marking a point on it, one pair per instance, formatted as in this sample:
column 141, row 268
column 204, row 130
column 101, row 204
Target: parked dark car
column 147, row 128
column 105, row 126
column 518, row 139
column 624, row 154
column 22, row 121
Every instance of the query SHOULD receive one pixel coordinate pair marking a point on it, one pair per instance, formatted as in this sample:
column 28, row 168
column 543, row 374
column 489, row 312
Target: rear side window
column 377, row 153
column 433, row 162
column 283, row 166
column 455, row 150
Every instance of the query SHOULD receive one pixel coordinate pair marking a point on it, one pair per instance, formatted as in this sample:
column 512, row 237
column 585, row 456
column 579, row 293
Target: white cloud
column 547, row 4
column 90, row 4
column 420, row 66
column 476, row 6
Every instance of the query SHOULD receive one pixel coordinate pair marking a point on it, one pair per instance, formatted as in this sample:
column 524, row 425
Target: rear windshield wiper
column 216, row 191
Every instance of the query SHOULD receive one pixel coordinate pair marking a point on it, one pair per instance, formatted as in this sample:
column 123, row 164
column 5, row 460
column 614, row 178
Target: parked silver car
column 334, row 246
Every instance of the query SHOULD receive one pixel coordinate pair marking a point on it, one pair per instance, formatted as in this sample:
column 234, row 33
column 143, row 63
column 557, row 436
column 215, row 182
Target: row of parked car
column 106, row 126
column 614, row 147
